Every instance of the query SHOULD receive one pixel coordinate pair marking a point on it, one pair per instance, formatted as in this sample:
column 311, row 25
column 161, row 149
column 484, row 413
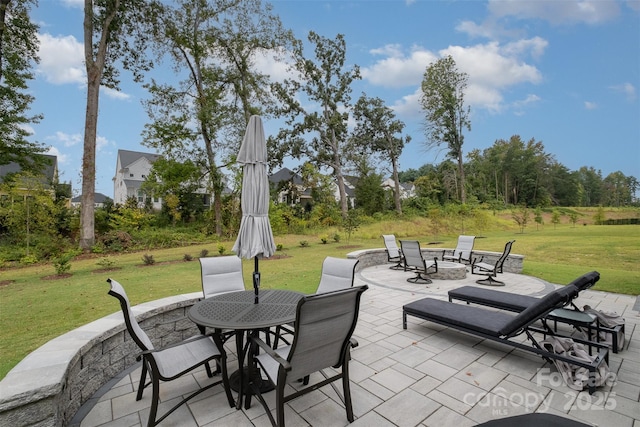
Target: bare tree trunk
column 463, row 193
column 396, row 181
column 87, row 225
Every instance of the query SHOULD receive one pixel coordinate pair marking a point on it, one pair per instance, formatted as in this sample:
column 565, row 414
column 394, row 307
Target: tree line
column 198, row 116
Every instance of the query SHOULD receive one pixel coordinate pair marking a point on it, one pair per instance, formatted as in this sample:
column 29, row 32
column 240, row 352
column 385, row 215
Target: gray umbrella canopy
column 255, row 237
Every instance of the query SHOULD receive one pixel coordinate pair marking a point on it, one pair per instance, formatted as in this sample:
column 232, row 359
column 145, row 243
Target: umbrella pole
column 256, row 279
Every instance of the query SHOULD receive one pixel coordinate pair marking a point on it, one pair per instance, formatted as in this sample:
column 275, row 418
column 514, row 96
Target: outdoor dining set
column 315, row 333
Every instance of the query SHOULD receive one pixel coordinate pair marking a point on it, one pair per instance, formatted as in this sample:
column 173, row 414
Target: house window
column 130, row 175
column 140, row 196
column 143, row 176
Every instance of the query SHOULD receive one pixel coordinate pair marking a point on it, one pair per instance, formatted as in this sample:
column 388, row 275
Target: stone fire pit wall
column 371, row 257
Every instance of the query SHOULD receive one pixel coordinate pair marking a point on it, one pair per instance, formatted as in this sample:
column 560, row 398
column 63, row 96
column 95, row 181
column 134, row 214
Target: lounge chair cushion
column 504, row 300
column 586, row 280
column 546, row 304
column 463, row 316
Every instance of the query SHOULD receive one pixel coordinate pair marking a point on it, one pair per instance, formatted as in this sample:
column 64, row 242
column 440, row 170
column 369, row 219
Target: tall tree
column 446, row 116
column 213, row 46
column 115, row 31
column 591, row 182
column 378, row 130
column 325, row 82
column 18, row 54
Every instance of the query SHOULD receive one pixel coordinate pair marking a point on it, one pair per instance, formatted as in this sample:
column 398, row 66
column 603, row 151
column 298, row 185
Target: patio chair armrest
column 177, row 344
column 353, row 342
column 271, row 352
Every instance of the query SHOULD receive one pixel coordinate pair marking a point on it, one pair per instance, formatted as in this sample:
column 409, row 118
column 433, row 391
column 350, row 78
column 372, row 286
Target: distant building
column 99, row 200
column 49, row 171
column 47, row 178
column 132, row 168
column 407, row 189
column 290, row 188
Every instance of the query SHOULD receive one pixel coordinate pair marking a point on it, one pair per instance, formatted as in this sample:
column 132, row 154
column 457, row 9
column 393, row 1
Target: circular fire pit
column 450, row 271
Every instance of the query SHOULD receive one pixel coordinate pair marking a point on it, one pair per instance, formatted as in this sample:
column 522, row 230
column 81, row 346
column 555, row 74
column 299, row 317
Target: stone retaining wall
column 49, row 386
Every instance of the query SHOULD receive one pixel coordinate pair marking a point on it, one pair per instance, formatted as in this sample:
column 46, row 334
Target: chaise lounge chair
column 491, row 270
column 503, row 327
column 517, row 303
column 463, row 251
column 414, row 261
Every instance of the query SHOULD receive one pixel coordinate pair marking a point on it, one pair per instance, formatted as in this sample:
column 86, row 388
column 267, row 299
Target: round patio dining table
column 238, row 311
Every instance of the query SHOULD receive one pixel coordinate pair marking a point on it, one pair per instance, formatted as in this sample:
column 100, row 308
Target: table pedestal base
column 234, row 382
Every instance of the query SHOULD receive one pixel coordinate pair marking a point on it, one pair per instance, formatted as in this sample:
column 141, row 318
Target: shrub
column 62, row 264
column 106, row 262
column 279, row 247
column 304, row 243
column 221, row 249
column 28, row 260
column 324, row 240
column 187, row 257
column 117, row 241
column 204, row 253
column 336, row 238
column 148, row 259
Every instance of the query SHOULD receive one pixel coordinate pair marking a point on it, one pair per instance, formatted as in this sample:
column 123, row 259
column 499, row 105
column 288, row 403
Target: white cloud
column 627, row 89
column 492, row 69
column 633, row 4
column 62, row 158
column 115, row 94
column 590, row 105
column 398, row 70
column 101, row 143
column 409, row 105
column 61, row 59
column 530, row 99
column 557, row 12
column 68, row 140
column 74, row 3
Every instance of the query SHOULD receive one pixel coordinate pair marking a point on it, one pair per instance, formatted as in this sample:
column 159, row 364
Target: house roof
column 128, row 157
column 97, row 198
column 48, row 170
column 285, row 174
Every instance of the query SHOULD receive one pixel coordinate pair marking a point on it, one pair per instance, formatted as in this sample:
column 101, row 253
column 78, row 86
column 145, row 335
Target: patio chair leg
column 419, row 279
column 490, row 281
column 143, row 378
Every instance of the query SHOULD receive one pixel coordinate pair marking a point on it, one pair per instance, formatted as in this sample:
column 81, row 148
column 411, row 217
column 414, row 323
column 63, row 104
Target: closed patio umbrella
column 255, row 237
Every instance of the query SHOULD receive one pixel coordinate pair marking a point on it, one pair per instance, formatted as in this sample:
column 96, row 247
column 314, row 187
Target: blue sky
column 564, row 72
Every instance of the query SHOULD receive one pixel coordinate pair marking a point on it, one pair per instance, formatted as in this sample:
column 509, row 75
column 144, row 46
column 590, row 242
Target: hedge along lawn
column 34, row 311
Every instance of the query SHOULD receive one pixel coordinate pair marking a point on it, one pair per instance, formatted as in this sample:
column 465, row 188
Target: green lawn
column 34, row 310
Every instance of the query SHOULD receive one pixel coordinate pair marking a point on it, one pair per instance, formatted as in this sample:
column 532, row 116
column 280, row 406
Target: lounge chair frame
column 491, row 270
column 516, row 303
column 502, row 327
column 415, row 261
